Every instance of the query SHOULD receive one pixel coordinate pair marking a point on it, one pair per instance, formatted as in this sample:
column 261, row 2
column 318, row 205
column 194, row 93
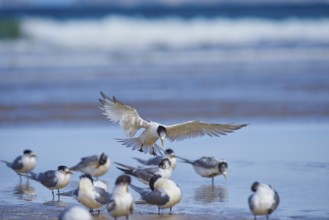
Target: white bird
column 163, row 192
column 93, row 165
column 264, row 200
column 75, row 213
column 53, row 179
column 131, row 122
column 208, row 167
column 122, row 202
column 169, row 153
column 90, row 194
column 24, row 163
column 144, row 174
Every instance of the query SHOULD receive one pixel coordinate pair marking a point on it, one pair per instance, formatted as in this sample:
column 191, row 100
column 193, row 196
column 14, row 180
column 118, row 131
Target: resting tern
column 208, row 166
column 144, row 174
column 93, row 165
column 131, row 122
column 53, row 179
column 121, row 202
column 75, row 213
column 264, row 200
column 89, row 193
column 169, row 153
column 163, row 192
column 24, row 163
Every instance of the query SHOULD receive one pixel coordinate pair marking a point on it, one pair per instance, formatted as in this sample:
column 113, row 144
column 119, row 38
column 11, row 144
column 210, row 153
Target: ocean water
column 292, row 158
column 268, row 68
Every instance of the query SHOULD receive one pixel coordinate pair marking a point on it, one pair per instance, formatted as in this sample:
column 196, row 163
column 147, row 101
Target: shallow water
column 293, row 158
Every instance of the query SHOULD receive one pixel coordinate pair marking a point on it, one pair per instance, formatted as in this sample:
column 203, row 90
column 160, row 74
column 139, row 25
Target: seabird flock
column 155, row 172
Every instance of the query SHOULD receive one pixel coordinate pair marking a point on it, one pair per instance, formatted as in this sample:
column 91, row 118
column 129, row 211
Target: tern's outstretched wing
column 125, row 115
column 192, row 129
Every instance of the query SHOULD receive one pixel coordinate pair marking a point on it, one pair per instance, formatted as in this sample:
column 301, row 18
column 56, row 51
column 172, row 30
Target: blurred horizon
column 234, row 61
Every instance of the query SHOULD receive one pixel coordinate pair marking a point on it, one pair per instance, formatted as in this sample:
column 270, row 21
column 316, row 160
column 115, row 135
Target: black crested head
column 102, row 159
column 27, row 151
column 161, row 131
column 87, row 176
column 163, row 162
column 222, row 166
column 62, row 168
column 153, row 179
column 254, row 186
column 169, row 151
column 123, row 179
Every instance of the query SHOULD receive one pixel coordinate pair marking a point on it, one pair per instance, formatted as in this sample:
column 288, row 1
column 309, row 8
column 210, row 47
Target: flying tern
column 131, row 122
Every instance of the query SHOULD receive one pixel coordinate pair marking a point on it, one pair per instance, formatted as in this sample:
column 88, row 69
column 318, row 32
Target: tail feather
column 33, row 175
column 125, row 166
column 72, row 193
column 136, row 188
column 141, row 161
column 127, row 171
column 7, row 163
column 184, row 160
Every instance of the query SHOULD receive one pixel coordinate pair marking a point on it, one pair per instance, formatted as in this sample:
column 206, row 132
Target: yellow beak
column 69, row 172
column 162, row 142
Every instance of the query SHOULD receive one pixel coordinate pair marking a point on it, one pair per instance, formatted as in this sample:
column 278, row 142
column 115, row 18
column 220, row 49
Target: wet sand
column 291, row 157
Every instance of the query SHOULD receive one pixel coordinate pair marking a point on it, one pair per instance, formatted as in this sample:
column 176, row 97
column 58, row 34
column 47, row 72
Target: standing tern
column 53, row 179
column 169, row 153
column 264, row 200
column 163, row 192
column 121, row 202
column 144, row 174
column 208, row 167
column 131, row 122
column 23, row 164
column 93, row 165
column 90, row 194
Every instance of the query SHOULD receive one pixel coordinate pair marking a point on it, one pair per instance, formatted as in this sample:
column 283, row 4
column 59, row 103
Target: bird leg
column 170, row 210
column 158, row 210
column 212, row 180
column 141, row 149
column 58, row 195
column 52, row 191
column 153, row 152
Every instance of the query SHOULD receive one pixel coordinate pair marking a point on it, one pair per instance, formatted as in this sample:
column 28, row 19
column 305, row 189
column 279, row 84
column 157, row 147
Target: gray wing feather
column 48, row 178
column 72, row 193
column 206, row 162
column 153, row 197
column 104, row 196
column 17, row 164
column 85, row 161
column 192, row 129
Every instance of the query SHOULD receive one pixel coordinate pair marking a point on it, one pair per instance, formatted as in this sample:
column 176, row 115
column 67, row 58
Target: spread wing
column 125, row 115
column 192, row 129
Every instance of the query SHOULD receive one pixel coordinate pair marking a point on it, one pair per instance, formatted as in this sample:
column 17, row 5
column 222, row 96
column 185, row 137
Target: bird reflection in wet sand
column 25, row 191
column 211, row 193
